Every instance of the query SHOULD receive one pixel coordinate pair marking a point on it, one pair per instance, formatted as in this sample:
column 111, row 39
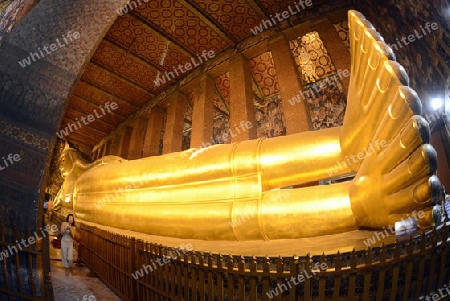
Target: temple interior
column 225, row 150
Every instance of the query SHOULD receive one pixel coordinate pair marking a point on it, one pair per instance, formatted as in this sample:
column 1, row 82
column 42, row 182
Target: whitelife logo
column 31, row 240
column 90, row 118
column 280, row 17
column 162, row 261
column 34, row 56
column 188, row 66
column 328, row 81
column 11, row 158
column 412, row 37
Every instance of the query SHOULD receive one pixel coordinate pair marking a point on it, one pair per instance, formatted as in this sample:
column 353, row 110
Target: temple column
column 125, row 142
column 116, row 141
column 98, row 153
column 173, row 135
column 153, row 132
column 296, row 115
column 101, row 151
column 106, row 148
column 137, row 138
column 203, row 113
column 338, row 52
column 242, row 109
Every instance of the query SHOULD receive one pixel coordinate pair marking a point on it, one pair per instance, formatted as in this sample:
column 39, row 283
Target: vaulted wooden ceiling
column 154, row 37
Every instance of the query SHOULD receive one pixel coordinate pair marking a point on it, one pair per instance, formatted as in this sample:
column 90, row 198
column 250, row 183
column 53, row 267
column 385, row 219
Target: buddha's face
column 66, row 163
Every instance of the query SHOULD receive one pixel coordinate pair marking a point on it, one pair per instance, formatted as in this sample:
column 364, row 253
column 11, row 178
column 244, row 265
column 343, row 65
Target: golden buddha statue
column 245, row 190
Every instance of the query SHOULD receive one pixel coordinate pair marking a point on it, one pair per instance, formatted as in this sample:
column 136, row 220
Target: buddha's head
column 67, row 160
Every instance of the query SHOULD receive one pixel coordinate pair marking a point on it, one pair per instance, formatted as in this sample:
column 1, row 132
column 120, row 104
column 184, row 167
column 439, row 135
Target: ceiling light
column 436, row 103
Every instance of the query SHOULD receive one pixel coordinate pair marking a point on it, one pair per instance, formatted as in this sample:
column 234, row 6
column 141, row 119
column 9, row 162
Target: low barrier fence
column 24, row 257
column 138, row 270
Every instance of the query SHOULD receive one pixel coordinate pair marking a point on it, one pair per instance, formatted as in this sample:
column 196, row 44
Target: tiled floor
column 76, row 286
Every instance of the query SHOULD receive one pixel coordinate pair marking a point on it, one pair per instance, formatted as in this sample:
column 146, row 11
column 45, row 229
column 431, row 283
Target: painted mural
column 269, row 117
column 269, row 114
column 187, row 128
column 323, row 90
column 327, row 101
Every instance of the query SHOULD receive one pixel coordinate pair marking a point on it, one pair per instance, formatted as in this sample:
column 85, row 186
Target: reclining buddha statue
column 249, row 190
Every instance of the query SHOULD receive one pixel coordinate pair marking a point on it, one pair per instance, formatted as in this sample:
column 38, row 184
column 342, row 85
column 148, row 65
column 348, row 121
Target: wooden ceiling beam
column 127, row 79
column 97, row 105
column 108, row 92
column 259, row 9
column 82, row 138
column 213, row 24
column 83, row 126
column 91, row 113
column 161, row 32
column 135, row 54
column 82, row 141
column 103, row 128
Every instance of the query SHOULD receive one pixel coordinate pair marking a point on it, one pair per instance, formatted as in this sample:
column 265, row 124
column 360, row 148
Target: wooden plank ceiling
column 153, row 38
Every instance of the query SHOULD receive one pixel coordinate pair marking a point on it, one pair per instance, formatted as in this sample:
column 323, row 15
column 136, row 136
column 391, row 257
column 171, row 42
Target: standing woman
column 68, row 232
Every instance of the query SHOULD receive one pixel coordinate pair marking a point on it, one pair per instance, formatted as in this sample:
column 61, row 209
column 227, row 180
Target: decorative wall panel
column 265, row 74
column 327, row 102
column 161, row 139
column 221, row 122
column 342, row 29
column 311, row 56
column 187, row 129
column 269, row 117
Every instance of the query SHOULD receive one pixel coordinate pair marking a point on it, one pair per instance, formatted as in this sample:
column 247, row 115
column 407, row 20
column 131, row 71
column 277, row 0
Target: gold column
column 173, row 135
column 137, row 138
column 153, row 133
column 242, row 110
column 203, row 113
column 296, row 116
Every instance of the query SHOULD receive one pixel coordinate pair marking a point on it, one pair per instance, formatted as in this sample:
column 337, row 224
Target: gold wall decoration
column 312, row 58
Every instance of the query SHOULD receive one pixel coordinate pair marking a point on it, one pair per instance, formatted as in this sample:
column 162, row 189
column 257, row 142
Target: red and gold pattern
column 265, row 75
column 181, row 24
column 141, row 40
column 120, row 61
column 236, row 16
column 99, row 76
